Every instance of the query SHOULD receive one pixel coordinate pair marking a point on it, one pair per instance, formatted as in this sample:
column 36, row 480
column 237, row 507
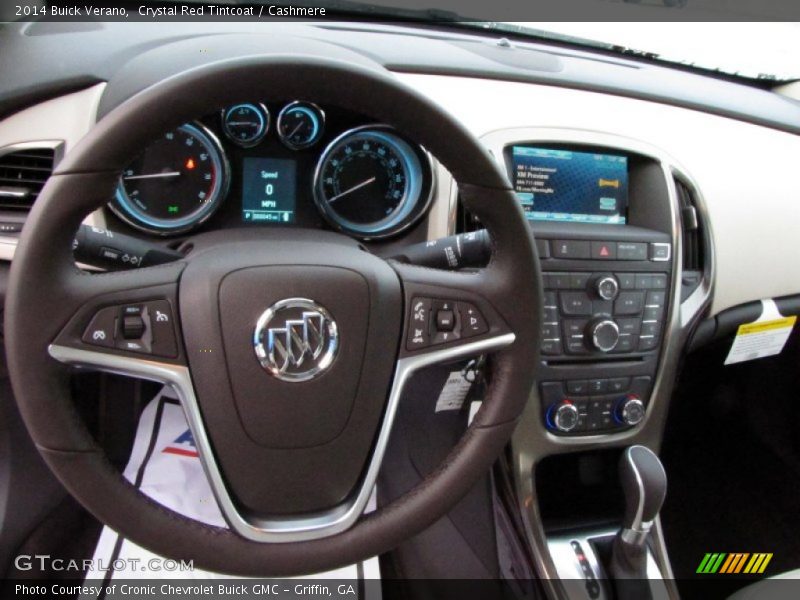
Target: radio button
column 627, row 343
column 631, row 251
column 551, row 346
column 659, row 281
column 627, row 281
column 629, row 303
column 629, row 326
column 652, row 313
column 575, row 304
column 647, row 342
column 579, row 281
column 656, row 298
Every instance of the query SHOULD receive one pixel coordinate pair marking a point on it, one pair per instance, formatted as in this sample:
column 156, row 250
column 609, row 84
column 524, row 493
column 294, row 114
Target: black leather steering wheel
column 291, row 462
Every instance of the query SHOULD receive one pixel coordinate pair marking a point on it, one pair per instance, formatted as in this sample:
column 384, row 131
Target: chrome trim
column 320, row 115
column 279, row 530
column 669, row 251
column 426, row 162
column 637, row 518
column 265, row 349
column 265, row 115
column 531, row 442
column 221, row 191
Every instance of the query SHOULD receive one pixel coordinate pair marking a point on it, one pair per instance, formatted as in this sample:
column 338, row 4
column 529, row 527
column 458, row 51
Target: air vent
column 692, row 229
column 22, row 176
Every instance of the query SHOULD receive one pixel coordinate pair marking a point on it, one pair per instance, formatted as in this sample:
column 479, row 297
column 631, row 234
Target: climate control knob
column 630, row 410
column 565, row 416
column 607, row 287
column 603, row 335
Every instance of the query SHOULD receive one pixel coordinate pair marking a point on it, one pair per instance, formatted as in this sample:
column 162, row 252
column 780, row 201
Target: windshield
column 752, row 50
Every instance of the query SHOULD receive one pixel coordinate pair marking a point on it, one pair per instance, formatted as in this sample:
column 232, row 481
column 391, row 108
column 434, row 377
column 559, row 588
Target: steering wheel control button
column 133, row 327
column 159, row 314
column 296, row 339
column 472, row 320
column 419, row 324
column 607, row 287
column 100, row 331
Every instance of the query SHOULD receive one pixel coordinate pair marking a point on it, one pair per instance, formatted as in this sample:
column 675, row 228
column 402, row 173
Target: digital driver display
column 564, row 185
column 268, row 190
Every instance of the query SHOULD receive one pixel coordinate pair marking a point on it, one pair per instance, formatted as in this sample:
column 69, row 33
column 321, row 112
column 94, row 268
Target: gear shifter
column 644, row 484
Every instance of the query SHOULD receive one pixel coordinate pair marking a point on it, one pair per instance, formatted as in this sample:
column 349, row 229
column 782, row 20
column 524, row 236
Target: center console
column 618, row 227
column 603, row 226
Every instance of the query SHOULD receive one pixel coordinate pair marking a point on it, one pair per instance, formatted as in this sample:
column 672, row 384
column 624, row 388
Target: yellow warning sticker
column 766, row 336
column 750, row 328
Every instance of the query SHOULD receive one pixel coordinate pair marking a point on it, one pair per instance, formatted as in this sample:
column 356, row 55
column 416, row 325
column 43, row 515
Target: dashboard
column 652, row 208
column 287, row 163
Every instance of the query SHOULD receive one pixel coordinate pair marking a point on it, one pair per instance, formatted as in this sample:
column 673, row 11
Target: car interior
column 471, row 310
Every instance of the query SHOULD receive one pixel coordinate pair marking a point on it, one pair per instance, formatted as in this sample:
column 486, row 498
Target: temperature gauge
column 246, row 124
column 300, row 125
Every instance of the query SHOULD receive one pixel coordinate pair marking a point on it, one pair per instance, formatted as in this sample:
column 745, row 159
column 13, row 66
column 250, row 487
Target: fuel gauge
column 300, row 125
column 246, row 124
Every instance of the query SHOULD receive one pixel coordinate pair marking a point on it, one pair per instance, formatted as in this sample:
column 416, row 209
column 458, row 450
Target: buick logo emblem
column 296, row 339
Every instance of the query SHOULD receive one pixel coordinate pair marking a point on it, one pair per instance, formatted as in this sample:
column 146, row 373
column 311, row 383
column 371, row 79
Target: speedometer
column 370, row 182
column 175, row 184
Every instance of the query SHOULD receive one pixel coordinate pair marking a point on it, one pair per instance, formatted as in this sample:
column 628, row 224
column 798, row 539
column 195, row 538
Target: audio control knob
column 607, row 287
column 603, row 335
column 565, row 416
column 630, row 410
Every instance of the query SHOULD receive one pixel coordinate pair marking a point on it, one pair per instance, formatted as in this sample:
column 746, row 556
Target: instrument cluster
column 287, row 164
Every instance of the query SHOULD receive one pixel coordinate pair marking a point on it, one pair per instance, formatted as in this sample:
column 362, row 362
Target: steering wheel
column 289, row 351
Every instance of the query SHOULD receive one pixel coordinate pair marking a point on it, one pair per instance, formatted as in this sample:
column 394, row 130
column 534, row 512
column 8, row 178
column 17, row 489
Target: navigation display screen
column 564, row 185
column 268, row 190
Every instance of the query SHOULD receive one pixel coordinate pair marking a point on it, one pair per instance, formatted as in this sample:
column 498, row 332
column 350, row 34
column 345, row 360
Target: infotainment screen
column 268, row 190
column 564, row 185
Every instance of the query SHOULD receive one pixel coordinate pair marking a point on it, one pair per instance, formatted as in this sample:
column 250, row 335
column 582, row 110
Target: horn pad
column 292, row 352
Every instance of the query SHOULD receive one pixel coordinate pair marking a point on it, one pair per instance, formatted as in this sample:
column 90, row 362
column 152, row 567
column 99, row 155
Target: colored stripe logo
column 734, row 562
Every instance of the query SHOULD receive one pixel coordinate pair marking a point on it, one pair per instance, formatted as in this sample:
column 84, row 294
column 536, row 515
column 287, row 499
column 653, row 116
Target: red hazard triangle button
column 607, row 250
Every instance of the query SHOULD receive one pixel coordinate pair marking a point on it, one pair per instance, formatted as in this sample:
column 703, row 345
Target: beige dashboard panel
column 747, row 173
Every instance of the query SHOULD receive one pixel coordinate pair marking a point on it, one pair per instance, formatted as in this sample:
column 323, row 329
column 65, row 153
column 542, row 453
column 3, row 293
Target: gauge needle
column 154, row 175
column 295, row 130
column 358, row 186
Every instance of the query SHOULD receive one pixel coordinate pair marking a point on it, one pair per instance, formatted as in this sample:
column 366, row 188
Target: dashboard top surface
column 99, row 51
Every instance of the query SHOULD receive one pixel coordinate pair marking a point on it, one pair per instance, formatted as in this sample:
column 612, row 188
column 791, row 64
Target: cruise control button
column 164, row 342
column 572, row 249
column 575, row 303
column 631, row 251
column 132, row 327
column 472, row 321
column 100, row 331
column 629, row 303
column 442, row 337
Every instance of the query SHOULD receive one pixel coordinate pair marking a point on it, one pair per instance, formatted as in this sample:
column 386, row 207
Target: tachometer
column 175, row 184
column 370, row 182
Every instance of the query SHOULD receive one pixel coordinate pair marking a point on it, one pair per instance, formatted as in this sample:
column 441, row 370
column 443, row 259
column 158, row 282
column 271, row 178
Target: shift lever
column 644, row 484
